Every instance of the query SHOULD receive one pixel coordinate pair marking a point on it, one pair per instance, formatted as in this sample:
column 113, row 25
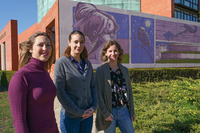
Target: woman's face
column 112, row 53
column 109, row 32
column 77, row 44
column 41, row 48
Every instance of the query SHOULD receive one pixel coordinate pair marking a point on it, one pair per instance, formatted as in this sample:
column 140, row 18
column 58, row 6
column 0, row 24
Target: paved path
column 57, row 114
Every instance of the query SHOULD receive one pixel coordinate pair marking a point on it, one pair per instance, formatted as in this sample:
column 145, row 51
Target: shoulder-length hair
column 84, row 53
column 25, row 48
column 109, row 43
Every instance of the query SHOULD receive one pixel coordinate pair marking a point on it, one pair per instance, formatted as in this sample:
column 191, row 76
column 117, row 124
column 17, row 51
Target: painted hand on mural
column 143, row 36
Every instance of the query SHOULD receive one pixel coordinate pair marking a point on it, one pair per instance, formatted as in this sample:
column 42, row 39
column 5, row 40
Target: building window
column 189, row 3
column 186, row 15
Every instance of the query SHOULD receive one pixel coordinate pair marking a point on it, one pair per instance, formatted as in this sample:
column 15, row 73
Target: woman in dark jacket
column 114, row 91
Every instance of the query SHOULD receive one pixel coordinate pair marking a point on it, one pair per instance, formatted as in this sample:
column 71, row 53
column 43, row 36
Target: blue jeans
column 122, row 119
column 75, row 125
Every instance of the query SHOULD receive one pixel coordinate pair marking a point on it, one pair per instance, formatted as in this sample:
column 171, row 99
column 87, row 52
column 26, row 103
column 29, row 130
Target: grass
column 161, row 107
column 167, row 107
column 6, row 125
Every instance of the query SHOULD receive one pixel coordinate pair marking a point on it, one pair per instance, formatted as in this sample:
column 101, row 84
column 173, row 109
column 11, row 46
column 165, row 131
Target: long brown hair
column 109, row 43
column 84, row 53
column 25, row 55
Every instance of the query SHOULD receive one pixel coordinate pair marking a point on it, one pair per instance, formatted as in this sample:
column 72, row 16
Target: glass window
column 179, row 15
column 190, row 17
column 186, row 15
column 176, row 16
column 195, row 7
column 196, row 19
column 177, row 1
column 193, row 18
column 189, row 3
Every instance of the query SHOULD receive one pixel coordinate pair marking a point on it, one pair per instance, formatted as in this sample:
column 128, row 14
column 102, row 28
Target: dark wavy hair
column 109, row 43
column 84, row 53
column 25, row 47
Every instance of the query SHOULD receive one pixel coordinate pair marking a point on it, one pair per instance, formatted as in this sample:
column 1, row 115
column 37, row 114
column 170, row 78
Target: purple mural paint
column 99, row 27
column 142, row 40
column 179, row 32
column 183, row 42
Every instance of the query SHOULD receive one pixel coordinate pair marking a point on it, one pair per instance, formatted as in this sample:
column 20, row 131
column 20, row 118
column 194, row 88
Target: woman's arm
column 131, row 103
column 60, row 83
column 93, row 89
column 99, row 81
column 17, row 92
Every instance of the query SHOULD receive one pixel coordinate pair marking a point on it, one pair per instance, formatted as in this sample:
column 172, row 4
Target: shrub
column 5, row 77
column 160, row 74
column 167, row 107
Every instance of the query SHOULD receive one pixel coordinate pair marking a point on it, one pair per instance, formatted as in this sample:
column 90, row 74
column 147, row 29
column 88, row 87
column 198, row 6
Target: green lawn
column 6, row 125
column 162, row 107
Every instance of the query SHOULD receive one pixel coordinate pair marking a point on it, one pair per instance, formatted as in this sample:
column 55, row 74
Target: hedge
column 5, row 77
column 137, row 75
column 159, row 74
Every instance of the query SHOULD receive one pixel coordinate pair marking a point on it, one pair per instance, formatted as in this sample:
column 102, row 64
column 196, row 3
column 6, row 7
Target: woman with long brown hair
column 74, row 79
column 31, row 90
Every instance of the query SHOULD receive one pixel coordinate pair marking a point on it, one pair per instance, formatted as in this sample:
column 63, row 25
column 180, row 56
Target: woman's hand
column 109, row 118
column 133, row 118
column 88, row 112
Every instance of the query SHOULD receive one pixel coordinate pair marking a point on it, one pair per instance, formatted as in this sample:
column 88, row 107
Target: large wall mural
column 147, row 40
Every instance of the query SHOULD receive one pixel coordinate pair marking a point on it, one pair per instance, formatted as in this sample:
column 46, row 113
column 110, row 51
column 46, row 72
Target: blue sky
column 24, row 11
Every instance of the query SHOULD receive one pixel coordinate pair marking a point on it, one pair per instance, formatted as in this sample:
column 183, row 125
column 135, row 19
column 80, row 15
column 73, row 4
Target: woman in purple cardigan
column 31, row 90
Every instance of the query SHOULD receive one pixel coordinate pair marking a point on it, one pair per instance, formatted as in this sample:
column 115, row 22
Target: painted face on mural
column 41, row 48
column 108, row 32
column 112, row 53
column 77, row 44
